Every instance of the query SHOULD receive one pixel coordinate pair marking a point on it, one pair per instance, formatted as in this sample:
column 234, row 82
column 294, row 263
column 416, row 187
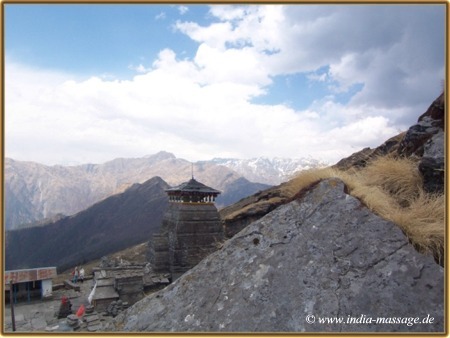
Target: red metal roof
column 29, row 275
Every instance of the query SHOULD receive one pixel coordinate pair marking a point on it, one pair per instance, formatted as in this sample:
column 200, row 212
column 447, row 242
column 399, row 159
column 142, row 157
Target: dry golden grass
column 423, row 222
column 399, row 178
column 246, row 208
column 306, row 178
column 392, row 188
column 285, row 191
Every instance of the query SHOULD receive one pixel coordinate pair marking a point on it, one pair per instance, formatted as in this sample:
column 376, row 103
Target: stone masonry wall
column 190, row 231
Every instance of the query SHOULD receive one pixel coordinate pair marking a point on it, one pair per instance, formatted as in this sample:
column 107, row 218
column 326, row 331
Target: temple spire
column 192, row 170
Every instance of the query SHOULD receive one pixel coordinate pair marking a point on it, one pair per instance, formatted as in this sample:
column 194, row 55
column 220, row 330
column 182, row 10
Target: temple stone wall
column 189, row 232
column 158, row 253
column 130, row 287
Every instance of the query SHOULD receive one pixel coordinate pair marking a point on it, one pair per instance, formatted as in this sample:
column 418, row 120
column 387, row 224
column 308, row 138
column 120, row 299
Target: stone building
column 125, row 282
column 29, row 284
column 105, row 293
column 191, row 229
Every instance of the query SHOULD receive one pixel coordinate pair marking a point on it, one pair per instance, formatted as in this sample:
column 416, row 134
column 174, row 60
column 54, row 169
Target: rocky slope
column 321, row 255
column 115, row 223
column 34, row 191
column 237, row 216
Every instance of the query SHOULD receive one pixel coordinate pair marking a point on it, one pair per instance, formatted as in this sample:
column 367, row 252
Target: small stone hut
column 105, row 293
column 190, row 230
column 113, row 283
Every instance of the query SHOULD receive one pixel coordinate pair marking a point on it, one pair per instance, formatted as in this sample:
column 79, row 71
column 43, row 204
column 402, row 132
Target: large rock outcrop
column 423, row 141
column 432, row 164
column 429, row 123
column 364, row 156
column 323, row 255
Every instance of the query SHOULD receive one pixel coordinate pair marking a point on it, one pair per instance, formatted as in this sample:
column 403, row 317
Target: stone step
column 68, row 284
column 91, row 318
column 93, row 328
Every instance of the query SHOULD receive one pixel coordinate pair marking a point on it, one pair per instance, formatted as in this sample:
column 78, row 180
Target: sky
column 88, row 83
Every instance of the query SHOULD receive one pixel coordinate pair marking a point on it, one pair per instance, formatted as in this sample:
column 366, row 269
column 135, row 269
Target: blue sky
column 94, row 39
column 89, row 83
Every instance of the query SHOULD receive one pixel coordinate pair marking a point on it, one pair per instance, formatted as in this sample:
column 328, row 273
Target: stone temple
column 191, row 229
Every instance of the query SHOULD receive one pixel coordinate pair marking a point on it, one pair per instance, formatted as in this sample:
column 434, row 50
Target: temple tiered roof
column 193, row 186
column 192, row 191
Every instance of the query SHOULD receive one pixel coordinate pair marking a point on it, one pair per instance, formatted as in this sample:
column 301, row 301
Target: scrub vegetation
column 392, row 188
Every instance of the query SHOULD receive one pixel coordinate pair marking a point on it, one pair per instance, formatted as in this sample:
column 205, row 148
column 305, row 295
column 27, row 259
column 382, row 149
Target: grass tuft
column 392, row 188
column 398, row 178
column 423, row 222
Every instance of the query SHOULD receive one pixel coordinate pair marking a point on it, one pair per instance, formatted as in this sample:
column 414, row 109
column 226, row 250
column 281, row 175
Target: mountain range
column 36, row 194
column 116, row 223
column 272, row 171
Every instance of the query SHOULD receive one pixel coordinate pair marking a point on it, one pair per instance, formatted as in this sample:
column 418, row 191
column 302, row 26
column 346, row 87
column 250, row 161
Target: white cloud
column 317, row 77
column 395, row 52
column 183, row 9
column 201, row 108
column 160, row 16
column 139, row 68
column 168, row 108
column 212, row 34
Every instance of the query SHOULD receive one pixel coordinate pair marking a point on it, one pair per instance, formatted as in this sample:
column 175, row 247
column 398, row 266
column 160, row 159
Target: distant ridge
column 34, row 192
column 116, row 223
column 270, row 171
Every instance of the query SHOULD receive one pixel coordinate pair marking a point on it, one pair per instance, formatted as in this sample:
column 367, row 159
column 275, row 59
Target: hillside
column 345, row 242
column 323, row 255
column 34, row 191
column 113, row 224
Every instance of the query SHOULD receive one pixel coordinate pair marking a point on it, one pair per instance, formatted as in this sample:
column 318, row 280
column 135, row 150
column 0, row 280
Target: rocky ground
column 42, row 316
column 324, row 255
